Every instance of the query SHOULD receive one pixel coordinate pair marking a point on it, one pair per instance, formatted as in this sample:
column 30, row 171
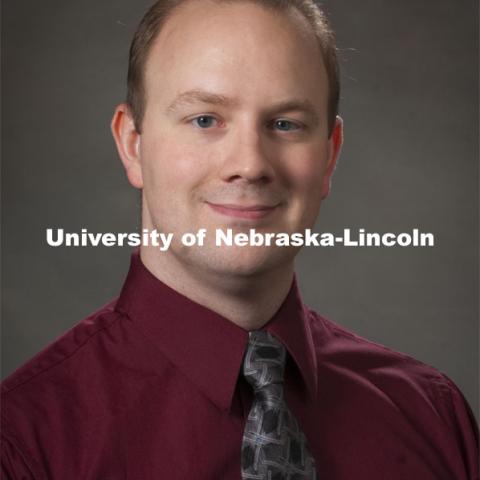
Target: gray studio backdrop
column 409, row 103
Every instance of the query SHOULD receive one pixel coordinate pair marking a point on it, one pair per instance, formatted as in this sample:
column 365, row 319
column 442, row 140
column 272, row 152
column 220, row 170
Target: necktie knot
column 264, row 361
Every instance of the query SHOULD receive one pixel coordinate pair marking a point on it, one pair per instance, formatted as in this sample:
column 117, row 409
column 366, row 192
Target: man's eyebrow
column 300, row 105
column 202, row 96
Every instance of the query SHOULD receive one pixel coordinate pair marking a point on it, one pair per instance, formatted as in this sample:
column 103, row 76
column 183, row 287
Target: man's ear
column 127, row 140
column 334, row 146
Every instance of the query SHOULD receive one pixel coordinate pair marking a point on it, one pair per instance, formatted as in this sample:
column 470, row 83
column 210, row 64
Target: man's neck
column 248, row 301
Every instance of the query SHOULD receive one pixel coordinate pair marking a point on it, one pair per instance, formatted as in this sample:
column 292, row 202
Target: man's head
column 230, row 123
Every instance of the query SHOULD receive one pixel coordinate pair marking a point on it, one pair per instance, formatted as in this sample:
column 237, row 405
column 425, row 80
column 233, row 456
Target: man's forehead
column 189, row 63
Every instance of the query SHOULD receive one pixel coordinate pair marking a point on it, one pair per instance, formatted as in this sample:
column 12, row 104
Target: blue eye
column 285, row 125
column 204, row 121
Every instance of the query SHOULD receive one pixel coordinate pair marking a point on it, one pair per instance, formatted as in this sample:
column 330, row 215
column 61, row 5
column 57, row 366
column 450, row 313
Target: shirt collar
column 205, row 346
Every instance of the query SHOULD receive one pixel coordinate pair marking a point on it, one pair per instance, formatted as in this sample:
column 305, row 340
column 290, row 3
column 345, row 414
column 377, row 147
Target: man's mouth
column 252, row 212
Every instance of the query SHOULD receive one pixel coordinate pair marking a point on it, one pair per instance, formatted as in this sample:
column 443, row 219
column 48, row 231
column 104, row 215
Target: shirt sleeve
column 465, row 428
column 13, row 463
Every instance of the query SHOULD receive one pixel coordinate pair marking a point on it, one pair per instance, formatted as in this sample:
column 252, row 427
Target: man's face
column 235, row 132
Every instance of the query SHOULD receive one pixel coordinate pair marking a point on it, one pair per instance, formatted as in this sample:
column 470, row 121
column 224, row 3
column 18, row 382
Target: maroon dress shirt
column 149, row 388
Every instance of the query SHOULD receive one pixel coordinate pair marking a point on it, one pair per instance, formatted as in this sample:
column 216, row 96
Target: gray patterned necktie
column 273, row 446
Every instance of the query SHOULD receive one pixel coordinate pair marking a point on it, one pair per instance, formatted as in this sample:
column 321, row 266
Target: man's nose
column 248, row 158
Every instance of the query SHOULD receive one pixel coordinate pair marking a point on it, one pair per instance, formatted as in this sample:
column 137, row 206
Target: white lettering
column 347, row 241
column 58, row 241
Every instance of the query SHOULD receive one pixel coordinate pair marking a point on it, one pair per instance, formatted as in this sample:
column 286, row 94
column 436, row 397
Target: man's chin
column 245, row 261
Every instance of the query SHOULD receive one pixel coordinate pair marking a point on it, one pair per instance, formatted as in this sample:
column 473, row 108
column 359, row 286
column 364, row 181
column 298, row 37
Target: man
column 208, row 365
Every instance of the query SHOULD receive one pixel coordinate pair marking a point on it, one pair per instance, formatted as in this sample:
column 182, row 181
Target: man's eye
column 285, row 125
column 204, row 121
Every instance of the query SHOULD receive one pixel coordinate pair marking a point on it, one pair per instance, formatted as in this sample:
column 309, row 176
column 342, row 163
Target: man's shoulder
column 68, row 347
column 83, row 380
column 377, row 388
column 74, row 382
column 407, row 381
column 345, row 345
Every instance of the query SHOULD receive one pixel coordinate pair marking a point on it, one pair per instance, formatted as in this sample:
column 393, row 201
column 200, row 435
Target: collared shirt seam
column 7, row 391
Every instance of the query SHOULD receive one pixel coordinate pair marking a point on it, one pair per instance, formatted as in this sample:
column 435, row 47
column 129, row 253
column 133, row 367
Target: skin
column 235, row 119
